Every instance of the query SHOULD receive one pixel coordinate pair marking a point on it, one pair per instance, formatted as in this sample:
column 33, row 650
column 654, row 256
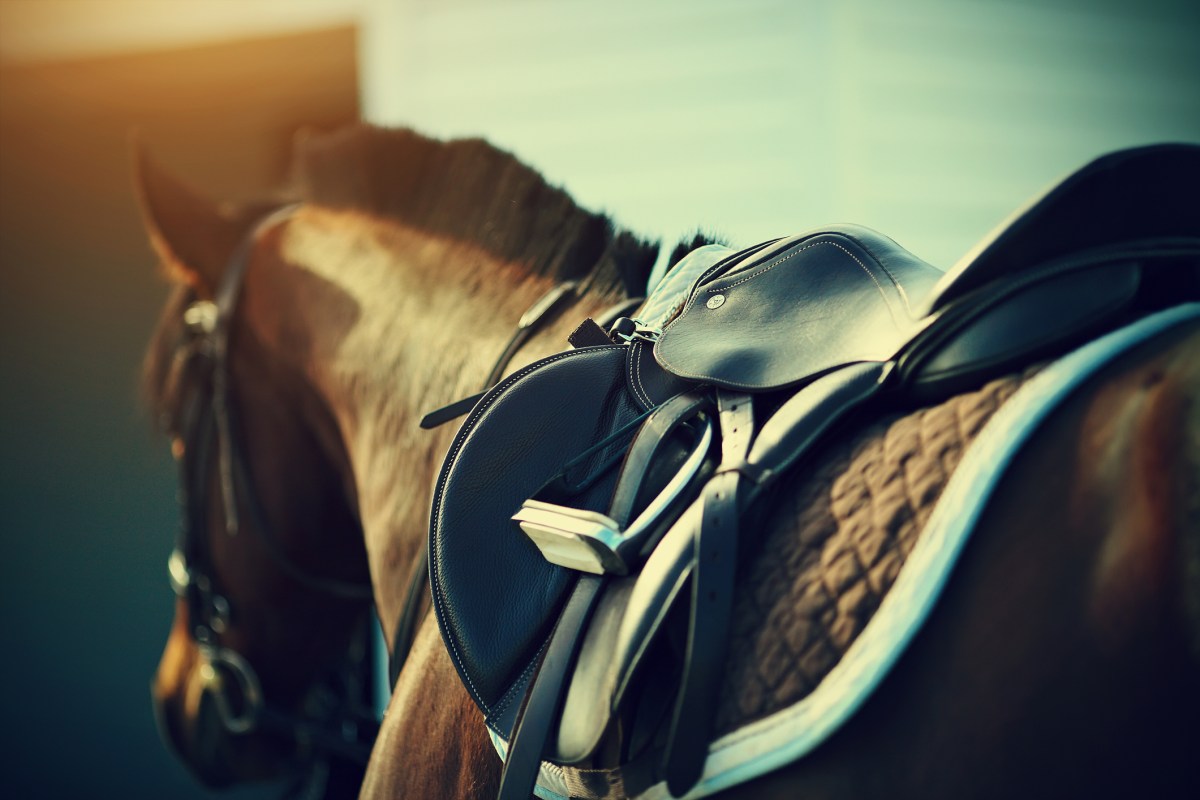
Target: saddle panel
column 801, row 307
column 1140, row 194
column 978, row 337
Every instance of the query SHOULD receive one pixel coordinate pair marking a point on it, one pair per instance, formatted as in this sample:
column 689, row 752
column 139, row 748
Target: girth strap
column 713, row 574
column 540, row 706
column 536, row 718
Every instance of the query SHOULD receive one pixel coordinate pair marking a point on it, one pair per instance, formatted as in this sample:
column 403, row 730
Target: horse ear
column 192, row 236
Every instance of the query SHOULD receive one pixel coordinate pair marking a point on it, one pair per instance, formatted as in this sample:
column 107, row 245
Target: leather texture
column 816, row 327
column 538, row 711
column 648, row 382
column 785, row 314
column 495, row 597
column 713, row 571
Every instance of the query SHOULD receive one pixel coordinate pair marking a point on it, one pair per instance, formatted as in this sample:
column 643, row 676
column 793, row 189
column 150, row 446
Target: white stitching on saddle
column 629, row 371
column 899, row 287
column 662, row 356
column 439, row 496
column 635, row 375
column 797, row 252
column 508, row 696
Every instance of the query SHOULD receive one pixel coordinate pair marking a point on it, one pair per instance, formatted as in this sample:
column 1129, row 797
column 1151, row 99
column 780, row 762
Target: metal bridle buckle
column 215, row 659
column 201, row 317
column 184, row 581
column 181, row 577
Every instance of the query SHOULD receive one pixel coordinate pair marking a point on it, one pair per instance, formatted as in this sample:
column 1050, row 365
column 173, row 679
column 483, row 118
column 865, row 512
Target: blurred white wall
column 930, row 120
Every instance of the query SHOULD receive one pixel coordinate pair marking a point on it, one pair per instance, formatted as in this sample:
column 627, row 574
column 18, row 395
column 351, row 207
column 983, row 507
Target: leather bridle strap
column 209, row 423
column 232, row 473
column 529, row 324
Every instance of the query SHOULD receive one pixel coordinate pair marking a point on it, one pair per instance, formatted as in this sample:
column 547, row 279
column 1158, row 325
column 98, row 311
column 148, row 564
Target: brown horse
column 337, row 343
column 1062, row 659
column 242, row 692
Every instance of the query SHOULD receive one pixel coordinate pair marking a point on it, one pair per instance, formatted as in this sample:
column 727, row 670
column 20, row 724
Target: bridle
column 335, row 720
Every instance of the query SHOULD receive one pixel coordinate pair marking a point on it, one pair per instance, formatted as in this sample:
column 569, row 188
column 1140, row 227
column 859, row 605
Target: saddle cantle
column 631, row 463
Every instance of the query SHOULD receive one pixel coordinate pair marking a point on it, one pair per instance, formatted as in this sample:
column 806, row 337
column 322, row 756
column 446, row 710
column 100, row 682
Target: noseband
column 208, row 432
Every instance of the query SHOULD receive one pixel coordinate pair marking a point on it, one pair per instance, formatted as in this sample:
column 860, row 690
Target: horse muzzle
column 209, row 719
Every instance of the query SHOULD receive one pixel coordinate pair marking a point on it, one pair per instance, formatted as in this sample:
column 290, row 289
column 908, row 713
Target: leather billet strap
column 536, row 718
column 539, row 707
column 713, row 572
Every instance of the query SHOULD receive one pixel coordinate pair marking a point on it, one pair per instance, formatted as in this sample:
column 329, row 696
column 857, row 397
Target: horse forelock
column 471, row 191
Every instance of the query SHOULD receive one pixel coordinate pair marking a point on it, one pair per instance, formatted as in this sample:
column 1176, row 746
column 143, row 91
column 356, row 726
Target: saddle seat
column 628, row 463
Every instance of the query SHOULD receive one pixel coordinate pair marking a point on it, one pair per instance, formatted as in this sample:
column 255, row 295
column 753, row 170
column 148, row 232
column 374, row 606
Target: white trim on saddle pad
column 787, row 735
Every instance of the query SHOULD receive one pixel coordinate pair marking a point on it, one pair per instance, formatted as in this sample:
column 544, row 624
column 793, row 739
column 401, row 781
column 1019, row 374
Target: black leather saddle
column 588, row 517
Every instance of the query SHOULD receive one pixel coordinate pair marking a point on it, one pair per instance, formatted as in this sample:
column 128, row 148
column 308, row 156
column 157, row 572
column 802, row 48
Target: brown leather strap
column 647, row 445
column 531, row 321
column 588, row 334
column 712, row 600
column 539, row 709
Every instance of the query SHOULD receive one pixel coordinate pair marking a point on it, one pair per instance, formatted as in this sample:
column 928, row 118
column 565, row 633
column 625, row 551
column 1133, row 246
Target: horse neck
column 392, row 323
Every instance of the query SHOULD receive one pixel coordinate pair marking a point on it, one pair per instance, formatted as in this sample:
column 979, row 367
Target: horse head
column 298, row 352
column 263, row 669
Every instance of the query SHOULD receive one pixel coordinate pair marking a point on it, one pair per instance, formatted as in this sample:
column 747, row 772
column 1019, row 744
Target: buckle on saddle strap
column 592, row 542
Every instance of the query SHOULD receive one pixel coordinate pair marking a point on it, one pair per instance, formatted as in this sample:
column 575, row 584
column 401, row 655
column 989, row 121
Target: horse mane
column 470, row 190
column 465, row 189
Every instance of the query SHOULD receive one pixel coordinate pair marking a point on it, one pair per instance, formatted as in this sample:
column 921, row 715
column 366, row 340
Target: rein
column 209, row 424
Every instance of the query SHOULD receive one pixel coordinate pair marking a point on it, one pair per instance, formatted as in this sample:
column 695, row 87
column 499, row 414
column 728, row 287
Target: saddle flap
column 785, row 314
column 495, row 595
